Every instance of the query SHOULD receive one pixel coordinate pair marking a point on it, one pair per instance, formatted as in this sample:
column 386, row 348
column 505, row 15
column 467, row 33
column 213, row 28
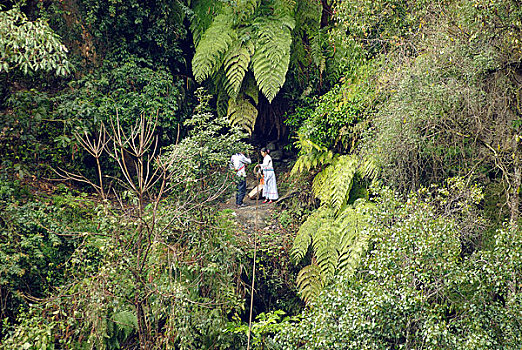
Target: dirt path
column 255, row 213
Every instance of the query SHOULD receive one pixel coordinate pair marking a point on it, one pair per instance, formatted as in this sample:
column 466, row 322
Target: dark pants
column 241, row 190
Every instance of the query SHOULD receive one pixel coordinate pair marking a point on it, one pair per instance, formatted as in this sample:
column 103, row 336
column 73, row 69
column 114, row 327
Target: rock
column 276, row 155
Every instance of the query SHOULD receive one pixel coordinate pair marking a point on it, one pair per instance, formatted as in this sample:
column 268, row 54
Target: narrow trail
column 246, row 216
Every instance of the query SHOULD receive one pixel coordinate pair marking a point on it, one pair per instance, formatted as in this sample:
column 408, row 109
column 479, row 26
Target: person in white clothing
column 238, row 162
column 270, row 185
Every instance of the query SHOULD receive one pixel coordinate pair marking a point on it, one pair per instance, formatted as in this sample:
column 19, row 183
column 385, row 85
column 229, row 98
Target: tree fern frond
column 325, row 243
column 311, row 155
column 303, row 239
column 369, row 168
column 222, row 103
column 244, row 9
column 213, row 45
column 316, row 50
column 352, row 224
column 201, row 16
column 310, row 282
column 308, row 14
column 333, row 184
column 236, row 65
column 284, row 8
column 241, row 112
column 272, row 55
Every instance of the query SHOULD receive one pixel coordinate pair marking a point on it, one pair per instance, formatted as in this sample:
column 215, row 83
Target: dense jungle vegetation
column 398, row 125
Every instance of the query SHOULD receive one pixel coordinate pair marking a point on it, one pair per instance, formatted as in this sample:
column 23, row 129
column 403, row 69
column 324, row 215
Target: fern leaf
column 317, row 52
column 236, row 65
column 272, row 55
column 284, row 7
column 325, row 243
column 311, row 155
column 352, row 225
column 201, row 15
column 241, row 112
column 214, row 43
column 303, row 239
column 333, row 184
column 310, row 282
column 369, row 168
column 245, row 9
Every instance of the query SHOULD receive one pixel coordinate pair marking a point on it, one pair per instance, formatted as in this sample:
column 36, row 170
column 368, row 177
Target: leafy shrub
column 414, row 290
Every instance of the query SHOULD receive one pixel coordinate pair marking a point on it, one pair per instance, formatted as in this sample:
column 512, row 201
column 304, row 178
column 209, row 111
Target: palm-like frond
column 241, row 112
column 212, row 47
column 272, row 54
column 311, row 155
column 333, row 184
column 353, row 242
column 325, row 243
column 303, row 240
column 310, row 282
column 284, row 7
column 250, row 89
column 236, row 65
column 245, row 9
column 202, row 14
column 338, row 243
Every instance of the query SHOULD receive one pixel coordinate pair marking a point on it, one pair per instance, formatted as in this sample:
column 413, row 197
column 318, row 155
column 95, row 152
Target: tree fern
column 245, row 35
column 311, row 155
column 241, row 112
column 303, row 240
column 236, row 65
column 333, row 184
column 310, row 282
column 272, row 54
column 338, row 245
column 337, row 232
column 212, row 47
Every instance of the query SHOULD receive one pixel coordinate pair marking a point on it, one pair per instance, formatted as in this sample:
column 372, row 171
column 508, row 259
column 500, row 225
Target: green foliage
column 205, row 152
column 338, row 244
column 29, row 134
column 236, row 65
column 264, row 327
column 441, row 106
column 245, row 36
column 212, row 47
column 33, row 333
column 334, row 231
column 338, row 118
column 152, row 31
column 242, row 113
column 414, row 289
column 272, row 54
column 30, row 46
column 311, row 156
column 38, row 238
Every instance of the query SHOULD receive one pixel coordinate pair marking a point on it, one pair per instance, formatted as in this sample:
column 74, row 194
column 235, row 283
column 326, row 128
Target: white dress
column 270, row 185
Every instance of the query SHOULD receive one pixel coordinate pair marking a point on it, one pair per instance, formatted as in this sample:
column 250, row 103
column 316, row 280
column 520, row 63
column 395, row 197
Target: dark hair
column 266, row 150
